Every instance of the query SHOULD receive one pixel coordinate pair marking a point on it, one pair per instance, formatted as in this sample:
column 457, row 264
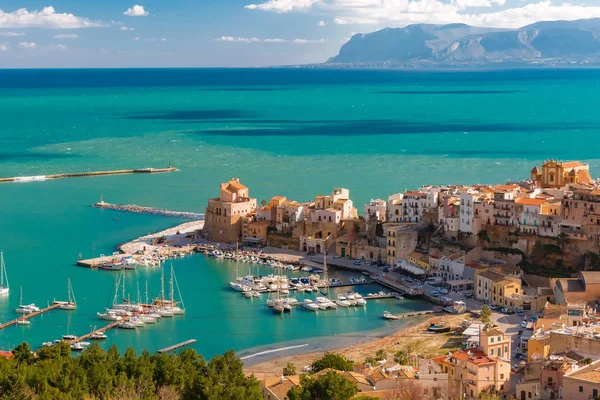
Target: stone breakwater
column 149, row 210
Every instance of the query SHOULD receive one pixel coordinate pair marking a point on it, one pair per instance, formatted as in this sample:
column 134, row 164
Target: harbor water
column 297, row 133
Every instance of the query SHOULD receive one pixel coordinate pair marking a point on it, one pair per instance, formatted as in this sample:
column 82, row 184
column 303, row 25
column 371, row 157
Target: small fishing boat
column 23, row 321
column 389, row 315
column 438, row 328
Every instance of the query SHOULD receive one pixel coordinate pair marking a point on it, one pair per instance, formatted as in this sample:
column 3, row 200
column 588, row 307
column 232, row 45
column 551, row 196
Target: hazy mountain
column 425, row 44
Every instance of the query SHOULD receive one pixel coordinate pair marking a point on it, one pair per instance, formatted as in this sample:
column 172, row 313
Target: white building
column 376, row 210
column 467, row 209
column 452, row 267
column 328, row 215
column 412, row 206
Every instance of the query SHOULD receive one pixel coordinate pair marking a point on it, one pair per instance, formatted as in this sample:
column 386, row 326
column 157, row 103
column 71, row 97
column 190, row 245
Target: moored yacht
column 342, row 301
column 4, row 288
column 308, row 304
column 109, row 316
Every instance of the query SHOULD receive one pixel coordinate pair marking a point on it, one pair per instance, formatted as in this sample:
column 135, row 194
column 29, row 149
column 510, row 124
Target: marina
column 41, row 178
column 30, row 315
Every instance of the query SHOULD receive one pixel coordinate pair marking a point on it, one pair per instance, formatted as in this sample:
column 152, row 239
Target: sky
column 232, row 33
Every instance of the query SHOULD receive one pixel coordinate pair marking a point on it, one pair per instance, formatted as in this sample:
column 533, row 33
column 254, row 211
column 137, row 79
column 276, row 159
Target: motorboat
column 389, row 315
column 163, row 312
column 308, row 304
column 69, row 337
column 146, row 319
column 109, row 316
column 342, row 301
column 47, row 344
column 85, row 344
column 278, row 308
column 239, row 287
column 127, row 325
column 286, row 307
column 351, row 298
column 359, row 300
column 77, row 347
column 137, row 322
column 98, row 336
column 23, row 321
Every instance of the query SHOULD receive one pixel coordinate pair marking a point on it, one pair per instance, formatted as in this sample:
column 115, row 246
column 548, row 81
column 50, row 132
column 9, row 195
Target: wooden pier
column 40, row 178
column 97, row 261
column 30, row 315
column 177, row 346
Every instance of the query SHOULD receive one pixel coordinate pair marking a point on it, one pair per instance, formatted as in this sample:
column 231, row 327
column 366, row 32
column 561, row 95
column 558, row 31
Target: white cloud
column 269, row 40
column 321, row 23
column 403, row 12
column 239, row 39
column 65, row 36
column 162, row 39
column 136, row 38
column 46, row 18
column 4, row 47
column 60, row 47
column 11, row 34
column 28, row 45
column 136, row 11
column 124, row 28
column 282, row 6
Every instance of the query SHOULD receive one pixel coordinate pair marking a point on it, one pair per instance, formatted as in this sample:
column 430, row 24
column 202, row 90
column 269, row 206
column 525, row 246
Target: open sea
column 292, row 132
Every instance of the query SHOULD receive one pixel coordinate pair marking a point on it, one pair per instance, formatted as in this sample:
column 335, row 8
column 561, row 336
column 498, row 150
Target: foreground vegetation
column 53, row 374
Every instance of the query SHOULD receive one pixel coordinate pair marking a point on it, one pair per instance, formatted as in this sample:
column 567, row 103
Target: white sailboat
column 25, row 308
column 71, row 304
column 169, row 308
column 4, row 289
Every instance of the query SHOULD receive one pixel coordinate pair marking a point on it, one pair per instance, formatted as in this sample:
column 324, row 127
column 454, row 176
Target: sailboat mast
column 162, row 285
column 2, row 267
column 171, row 285
column 146, row 291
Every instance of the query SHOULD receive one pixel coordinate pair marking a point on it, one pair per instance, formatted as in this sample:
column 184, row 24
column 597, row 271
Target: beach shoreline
column 302, row 355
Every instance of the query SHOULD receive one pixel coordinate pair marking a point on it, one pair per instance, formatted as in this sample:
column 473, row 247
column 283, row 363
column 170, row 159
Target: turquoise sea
column 288, row 132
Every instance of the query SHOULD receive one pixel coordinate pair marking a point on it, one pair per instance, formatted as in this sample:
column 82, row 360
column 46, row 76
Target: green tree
column 486, row 315
column 381, row 355
column 332, row 360
column 23, row 354
column 289, row 369
column 483, row 235
column 330, row 386
column 263, row 203
column 402, row 358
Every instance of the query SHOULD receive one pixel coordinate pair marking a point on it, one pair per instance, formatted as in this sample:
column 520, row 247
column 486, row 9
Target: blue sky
column 155, row 33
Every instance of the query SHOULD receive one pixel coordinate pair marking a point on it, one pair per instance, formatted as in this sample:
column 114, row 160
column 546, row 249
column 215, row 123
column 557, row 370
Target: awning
column 412, row 269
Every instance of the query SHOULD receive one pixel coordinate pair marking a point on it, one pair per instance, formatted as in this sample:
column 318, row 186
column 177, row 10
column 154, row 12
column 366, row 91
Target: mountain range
column 551, row 43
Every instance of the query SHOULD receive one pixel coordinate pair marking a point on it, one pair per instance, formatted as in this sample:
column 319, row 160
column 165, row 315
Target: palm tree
column 263, row 203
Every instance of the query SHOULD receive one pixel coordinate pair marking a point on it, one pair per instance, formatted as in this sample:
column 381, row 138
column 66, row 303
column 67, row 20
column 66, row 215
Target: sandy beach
column 415, row 337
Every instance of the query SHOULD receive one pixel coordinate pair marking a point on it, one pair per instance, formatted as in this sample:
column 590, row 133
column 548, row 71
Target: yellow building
column 497, row 288
column 419, row 259
column 539, row 346
column 557, row 174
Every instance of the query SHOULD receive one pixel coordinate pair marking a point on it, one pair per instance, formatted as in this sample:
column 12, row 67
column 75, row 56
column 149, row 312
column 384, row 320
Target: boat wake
column 273, row 351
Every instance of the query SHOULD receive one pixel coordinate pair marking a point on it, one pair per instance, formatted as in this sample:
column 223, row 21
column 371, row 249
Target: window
column 594, row 393
column 491, row 352
column 501, row 376
column 580, row 389
column 491, row 340
column 506, row 349
column 529, row 395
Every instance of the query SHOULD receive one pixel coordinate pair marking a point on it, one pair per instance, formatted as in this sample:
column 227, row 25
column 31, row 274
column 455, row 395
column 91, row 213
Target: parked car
column 533, row 318
column 468, row 293
column 408, row 279
column 386, row 269
column 523, row 324
column 435, row 293
column 356, row 262
column 521, row 356
column 505, row 310
column 443, row 291
column 336, row 257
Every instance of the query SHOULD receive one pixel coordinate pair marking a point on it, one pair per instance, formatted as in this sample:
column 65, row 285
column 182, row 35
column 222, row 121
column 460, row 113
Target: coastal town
column 527, row 251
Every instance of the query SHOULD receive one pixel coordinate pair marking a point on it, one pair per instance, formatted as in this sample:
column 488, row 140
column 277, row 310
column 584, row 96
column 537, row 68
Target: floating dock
column 40, row 178
column 177, row 346
column 133, row 208
column 101, row 330
column 98, row 261
column 30, row 315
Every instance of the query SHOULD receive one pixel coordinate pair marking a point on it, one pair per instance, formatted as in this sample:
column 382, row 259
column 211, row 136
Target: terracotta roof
column 278, row 198
column 589, row 374
column 530, row 202
column 591, row 277
column 492, row 275
column 507, row 187
column 439, row 359
column 492, row 332
column 236, row 186
column 573, row 164
column 281, row 389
